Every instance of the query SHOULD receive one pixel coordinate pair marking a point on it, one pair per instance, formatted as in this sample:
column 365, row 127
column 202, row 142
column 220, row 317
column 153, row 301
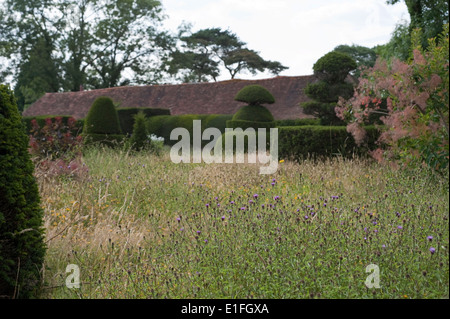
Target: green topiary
column 255, row 113
column 126, row 116
column 102, row 118
column 334, row 67
column 22, row 247
column 255, row 95
column 139, row 138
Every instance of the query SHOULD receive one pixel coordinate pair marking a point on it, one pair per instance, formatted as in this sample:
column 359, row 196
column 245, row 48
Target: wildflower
column 198, row 232
column 223, row 218
column 282, row 161
column 306, row 216
column 432, row 250
column 207, row 205
column 178, row 219
column 400, row 227
column 242, row 208
column 273, row 184
column 276, row 198
column 206, row 241
column 430, row 238
column 255, row 195
column 250, row 201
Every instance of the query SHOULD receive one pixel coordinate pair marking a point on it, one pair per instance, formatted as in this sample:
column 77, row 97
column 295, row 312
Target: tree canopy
column 201, row 54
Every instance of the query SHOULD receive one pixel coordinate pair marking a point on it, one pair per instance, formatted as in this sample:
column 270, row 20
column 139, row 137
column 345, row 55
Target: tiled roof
column 199, row 98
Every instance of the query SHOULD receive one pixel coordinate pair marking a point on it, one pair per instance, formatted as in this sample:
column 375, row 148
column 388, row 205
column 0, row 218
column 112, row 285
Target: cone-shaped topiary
column 22, row 247
column 255, row 95
column 102, row 123
column 139, row 137
column 102, row 118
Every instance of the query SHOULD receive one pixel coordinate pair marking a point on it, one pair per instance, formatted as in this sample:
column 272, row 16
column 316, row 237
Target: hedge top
column 255, row 95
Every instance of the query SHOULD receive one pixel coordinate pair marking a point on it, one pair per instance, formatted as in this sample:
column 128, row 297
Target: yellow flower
column 282, row 161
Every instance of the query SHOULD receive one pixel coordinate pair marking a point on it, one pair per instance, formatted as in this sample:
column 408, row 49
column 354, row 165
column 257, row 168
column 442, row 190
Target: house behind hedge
column 197, row 98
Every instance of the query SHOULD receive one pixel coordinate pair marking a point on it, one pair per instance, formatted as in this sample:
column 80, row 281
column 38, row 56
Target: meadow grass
column 139, row 226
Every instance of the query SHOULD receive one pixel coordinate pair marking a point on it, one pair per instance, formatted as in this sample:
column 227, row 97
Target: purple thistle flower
column 223, row 218
column 432, row 250
column 206, row 241
column 207, row 205
column 178, row 219
column 198, row 232
column 400, row 227
column 273, row 184
column 430, row 238
column 384, row 246
column 255, row 195
column 306, row 217
column 250, row 201
column 232, row 202
column 242, row 208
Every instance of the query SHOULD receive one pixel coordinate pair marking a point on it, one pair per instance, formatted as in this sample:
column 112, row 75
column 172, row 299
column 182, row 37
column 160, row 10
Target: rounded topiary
column 102, row 118
column 255, row 113
column 22, row 247
column 254, row 95
column 334, row 67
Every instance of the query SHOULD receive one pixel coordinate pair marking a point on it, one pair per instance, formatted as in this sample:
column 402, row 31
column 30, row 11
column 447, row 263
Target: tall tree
column 95, row 43
column 122, row 38
column 428, row 15
column 38, row 74
column 363, row 56
column 220, row 47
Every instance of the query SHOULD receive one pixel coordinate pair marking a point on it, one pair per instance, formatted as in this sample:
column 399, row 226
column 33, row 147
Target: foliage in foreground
column 416, row 127
column 22, row 248
column 139, row 226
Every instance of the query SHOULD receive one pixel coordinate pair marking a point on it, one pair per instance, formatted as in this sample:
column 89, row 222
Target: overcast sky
column 294, row 32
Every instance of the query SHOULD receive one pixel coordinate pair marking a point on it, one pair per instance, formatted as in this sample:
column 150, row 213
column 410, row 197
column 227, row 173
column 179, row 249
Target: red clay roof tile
column 198, row 98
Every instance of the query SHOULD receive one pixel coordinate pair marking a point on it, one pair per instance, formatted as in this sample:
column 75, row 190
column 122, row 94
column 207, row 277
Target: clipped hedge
column 126, row 116
column 321, row 141
column 246, row 124
column 163, row 125
column 297, row 122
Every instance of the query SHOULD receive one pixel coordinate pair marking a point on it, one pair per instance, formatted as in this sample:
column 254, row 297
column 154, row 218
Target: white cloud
column 294, row 32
